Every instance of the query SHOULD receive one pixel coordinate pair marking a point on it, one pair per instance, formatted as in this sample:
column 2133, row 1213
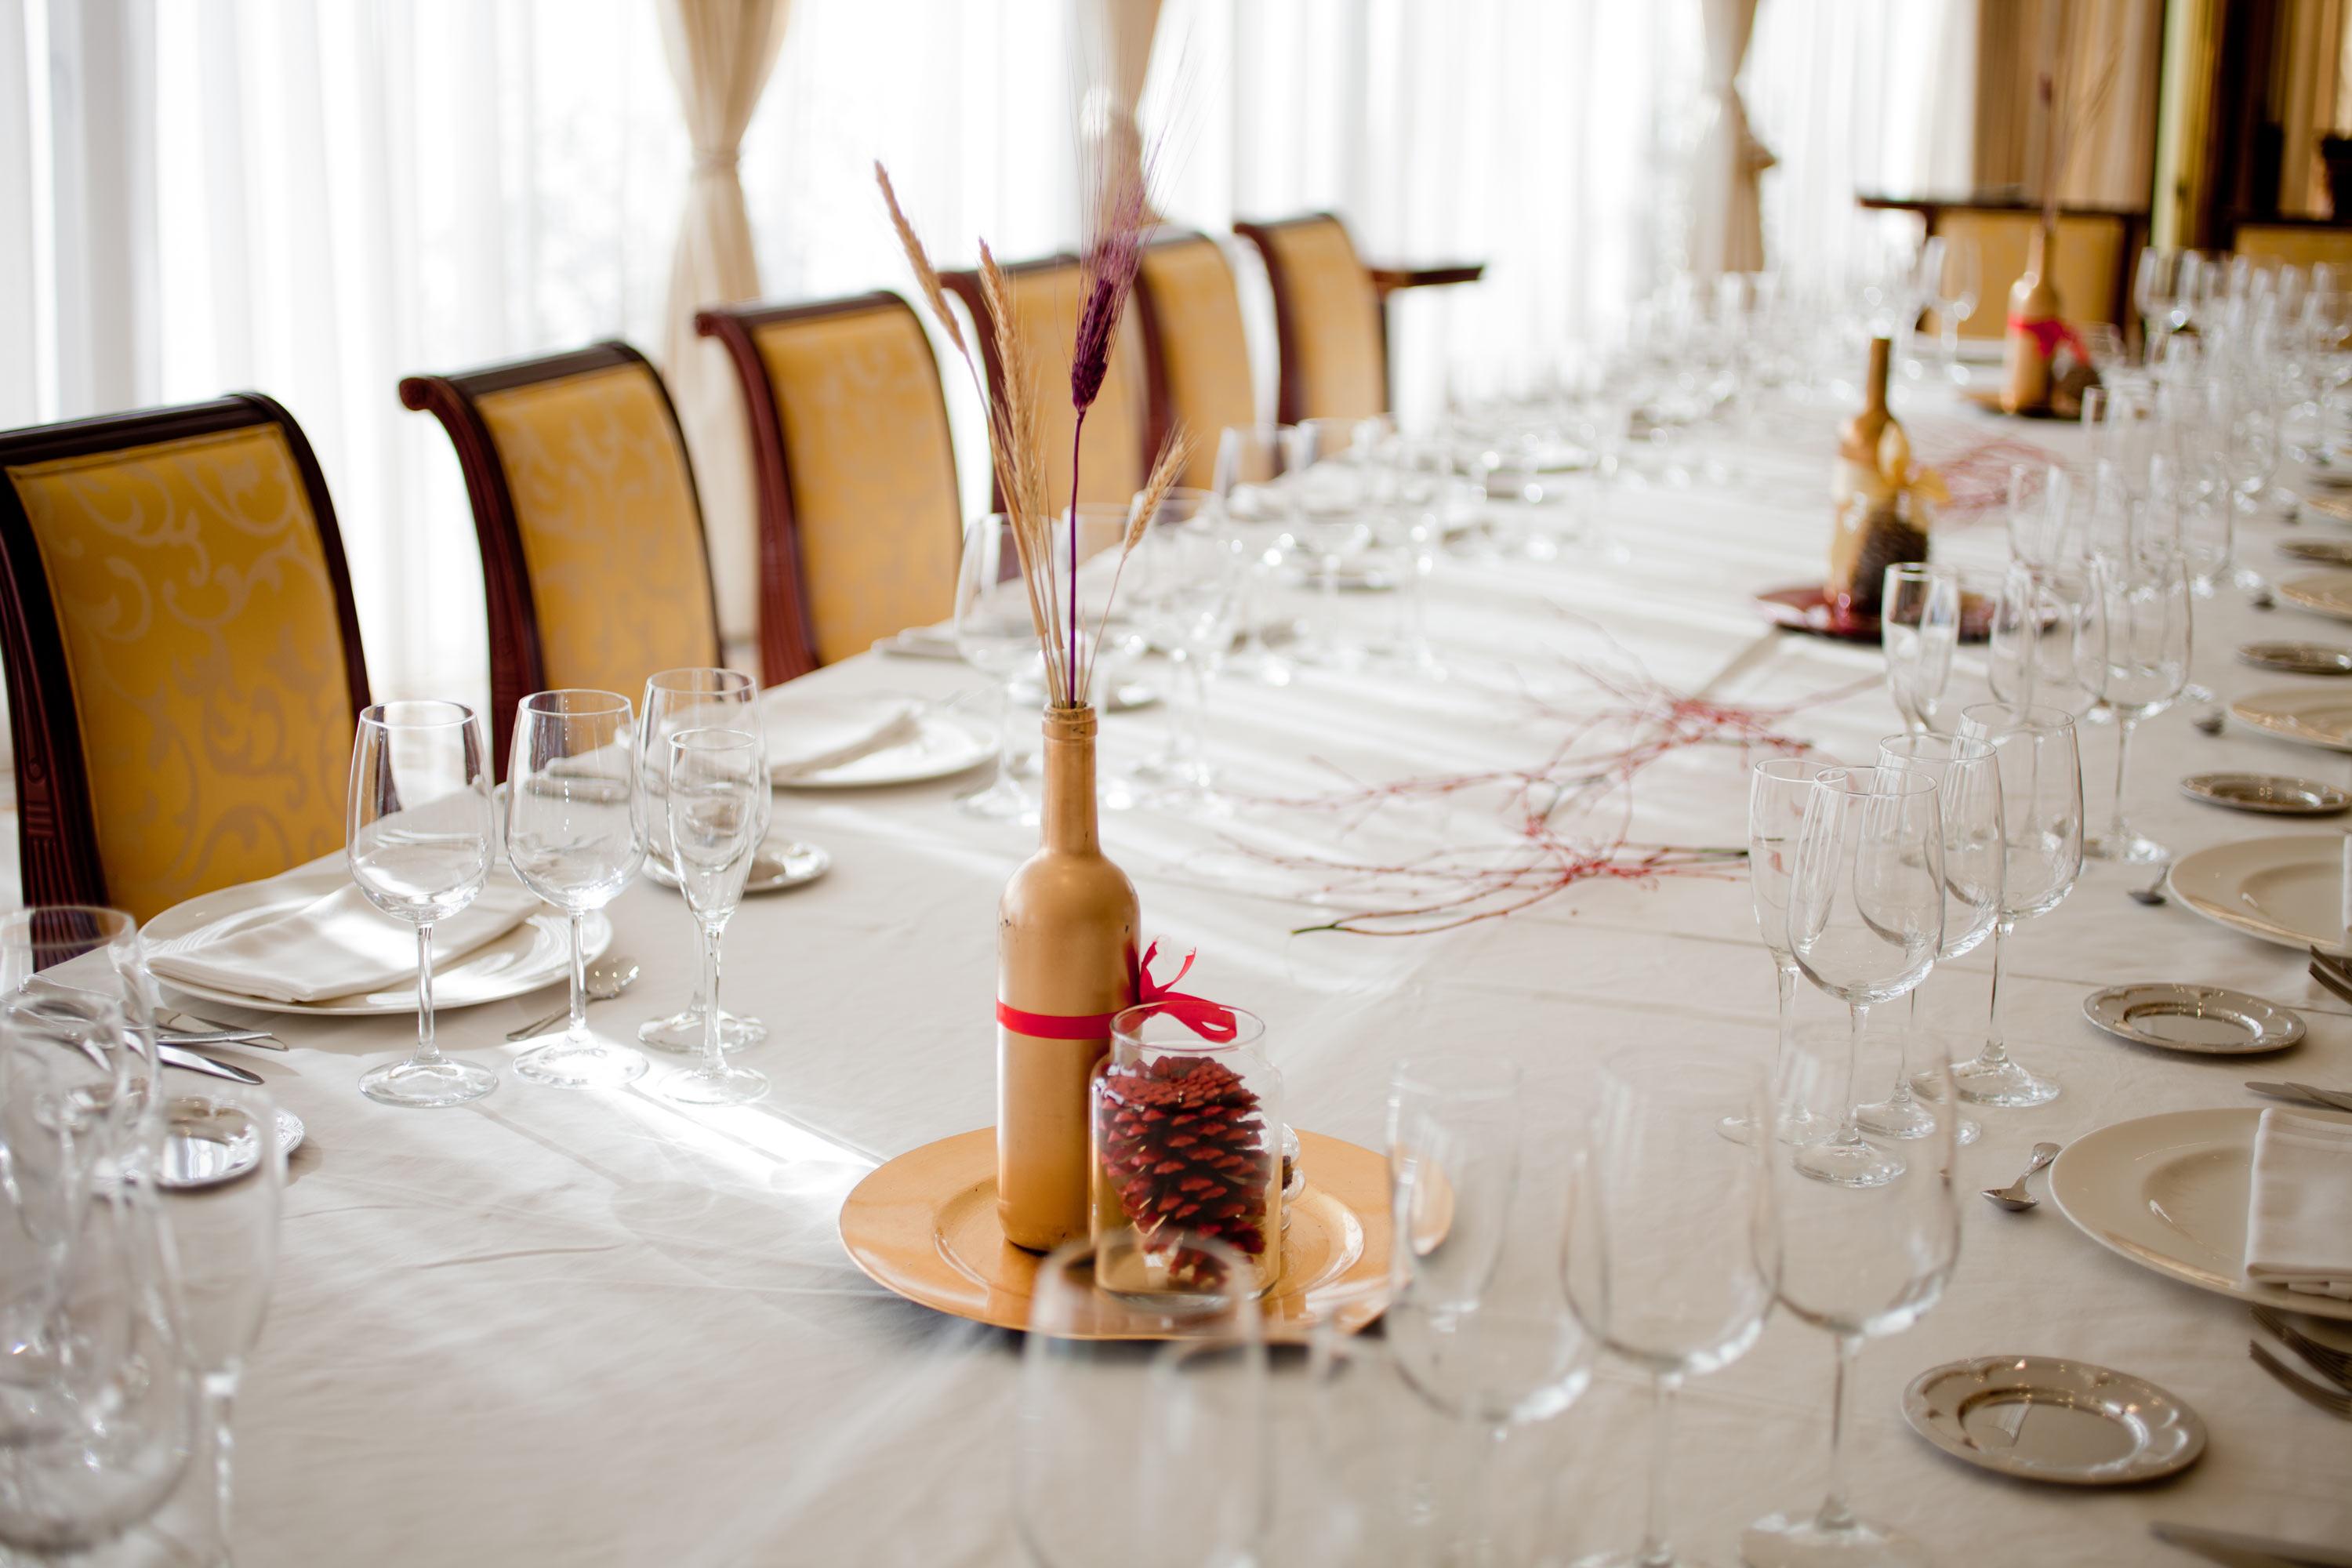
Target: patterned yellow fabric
column 2295, row 246
column 1047, row 303
column 2089, row 252
column 194, row 599
column 610, row 534
column 1202, row 345
column 1335, row 320
column 872, row 467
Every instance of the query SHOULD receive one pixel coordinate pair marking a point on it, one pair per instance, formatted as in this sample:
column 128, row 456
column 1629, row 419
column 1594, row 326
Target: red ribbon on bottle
column 1213, row 1021
column 2048, row 334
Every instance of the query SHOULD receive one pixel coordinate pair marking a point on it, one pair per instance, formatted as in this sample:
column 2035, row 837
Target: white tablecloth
column 563, row 1327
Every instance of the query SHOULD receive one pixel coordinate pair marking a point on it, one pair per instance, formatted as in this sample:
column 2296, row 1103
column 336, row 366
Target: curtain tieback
column 717, row 163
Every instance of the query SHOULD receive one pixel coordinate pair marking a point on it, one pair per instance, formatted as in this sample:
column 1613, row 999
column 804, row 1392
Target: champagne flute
column 717, row 779
column 1777, row 791
column 2042, row 831
column 1919, row 628
column 1959, row 284
column 1860, row 1265
column 1865, row 919
column 575, row 835
column 2137, row 639
column 1670, row 1258
column 420, row 833
column 676, row 700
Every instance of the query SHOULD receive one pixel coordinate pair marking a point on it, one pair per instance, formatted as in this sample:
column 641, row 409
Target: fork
column 2337, row 1404
column 2336, row 1365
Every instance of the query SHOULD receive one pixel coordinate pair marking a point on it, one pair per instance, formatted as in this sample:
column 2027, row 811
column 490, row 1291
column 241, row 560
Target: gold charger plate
column 923, row 1225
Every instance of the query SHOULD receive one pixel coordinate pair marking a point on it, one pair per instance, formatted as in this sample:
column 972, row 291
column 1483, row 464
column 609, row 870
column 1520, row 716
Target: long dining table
column 556, row 1327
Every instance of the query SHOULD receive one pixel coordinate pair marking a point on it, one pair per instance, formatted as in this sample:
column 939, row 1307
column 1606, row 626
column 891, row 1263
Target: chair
column 594, row 565
column 860, row 522
column 184, row 659
column 1329, row 315
column 1118, row 442
column 2304, row 244
column 2095, row 254
column 1195, row 349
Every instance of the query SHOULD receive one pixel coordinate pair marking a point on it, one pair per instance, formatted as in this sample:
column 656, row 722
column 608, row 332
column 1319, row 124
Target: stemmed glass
column 224, row 1239
column 1670, row 1258
column 576, row 834
column 996, row 634
column 1865, row 919
column 1185, row 585
column 1253, row 460
column 1779, row 789
column 717, row 781
column 420, row 832
column 1919, row 626
column 2041, row 828
column 2136, row 638
column 676, row 700
column 77, row 974
column 1959, row 282
column 1861, row 1265
column 1331, row 496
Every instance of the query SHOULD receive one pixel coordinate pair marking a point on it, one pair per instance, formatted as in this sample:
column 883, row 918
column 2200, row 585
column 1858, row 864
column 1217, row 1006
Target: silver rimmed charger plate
column 2272, row 795
column 2211, row 1020
column 2317, row 716
column 2043, row 1418
column 780, row 863
column 2300, row 657
column 197, row 1152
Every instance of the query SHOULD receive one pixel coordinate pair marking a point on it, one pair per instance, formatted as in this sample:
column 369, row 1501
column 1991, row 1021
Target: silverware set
column 2331, row 973
column 2335, row 1402
column 2249, row 1551
column 2304, row 1094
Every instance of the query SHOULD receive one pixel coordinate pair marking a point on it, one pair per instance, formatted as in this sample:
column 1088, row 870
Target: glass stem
column 426, row 1051
column 1784, row 973
column 1191, row 744
column 1007, row 738
column 714, row 1054
column 1834, row 1514
column 2117, row 832
column 219, row 1400
column 1995, row 1051
column 1662, row 1448
column 579, row 1025
column 1849, row 1130
column 1902, row 1095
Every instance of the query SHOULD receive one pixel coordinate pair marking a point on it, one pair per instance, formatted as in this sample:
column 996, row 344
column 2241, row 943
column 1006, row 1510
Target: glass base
column 1779, row 1541
column 580, row 1062
column 681, row 1032
column 702, row 1085
column 1636, row 1557
column 1796, row 1128
column 1001, row 800
column 427, row 1085
column 2130, row 848
column 2003, row 1082
column 1895, row 1119
column 1845, row 1164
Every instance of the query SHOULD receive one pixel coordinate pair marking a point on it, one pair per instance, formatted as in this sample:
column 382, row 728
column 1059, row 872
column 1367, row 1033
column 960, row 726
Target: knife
column 189, row 1061
column 2249, row 1551
column 2326, row 1099
column 260, row 1039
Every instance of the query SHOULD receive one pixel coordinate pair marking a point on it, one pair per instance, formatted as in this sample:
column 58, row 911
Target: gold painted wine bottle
column 1065, row 950
column 2033, row 320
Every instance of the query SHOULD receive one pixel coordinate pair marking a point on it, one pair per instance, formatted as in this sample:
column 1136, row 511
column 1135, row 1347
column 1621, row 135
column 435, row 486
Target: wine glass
column 1861, row 1265
column 1919, row 628
column 1968, row 801
column 1958, row 280
column 1865, row 919
column 77, row 973
column 1333, row 490
column 575, row 835
column 2137, row 637
column 1777, row 791
column 676, row 700
column 1477, row 1318
column 1114, row 1449
column 1670, row 1258
column 420, row 833
column 717, row 781
column 2041, row 829
column 2034, row 645
column 996, row 633
column 1184, row 587
column 1253, row 460
column 224, row 1238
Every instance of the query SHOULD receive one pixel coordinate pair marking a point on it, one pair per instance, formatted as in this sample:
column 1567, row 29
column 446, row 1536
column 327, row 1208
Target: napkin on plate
column 2299, row 1223
column 817, row 737
column 337, row 945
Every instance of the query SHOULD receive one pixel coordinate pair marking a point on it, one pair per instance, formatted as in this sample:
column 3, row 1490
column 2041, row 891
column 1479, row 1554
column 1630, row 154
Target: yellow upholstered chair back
column 593, row 564
column 1191, row 317
column 859, row 518
column 1328, row 314
column 2295, row 244
column 2089, row 273
column 184, row 659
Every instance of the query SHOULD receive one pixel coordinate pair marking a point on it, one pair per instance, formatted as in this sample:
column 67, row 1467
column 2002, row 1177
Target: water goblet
column 575, row 835
column 675, row 700
column 420, row 831
column 2136, row 638
column 717, row 780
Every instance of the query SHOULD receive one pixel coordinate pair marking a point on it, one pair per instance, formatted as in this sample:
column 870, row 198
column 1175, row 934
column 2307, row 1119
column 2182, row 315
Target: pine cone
column 1186, row 1149
column 1887, row 540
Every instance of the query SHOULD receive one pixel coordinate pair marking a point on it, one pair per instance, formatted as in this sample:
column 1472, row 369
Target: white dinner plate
column 2315, row 715
column 2329, row 592
column 2287, row 889
column 535, row 953
column 2169, row 1193
column 943, row 744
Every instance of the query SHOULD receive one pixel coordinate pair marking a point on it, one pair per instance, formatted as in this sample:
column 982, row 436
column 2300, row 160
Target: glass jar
column 1187, row 1137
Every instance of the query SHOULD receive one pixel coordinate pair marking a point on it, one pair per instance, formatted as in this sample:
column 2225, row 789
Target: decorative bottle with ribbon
column 1876, row 525
column 1065, row 963
column 2035, row 328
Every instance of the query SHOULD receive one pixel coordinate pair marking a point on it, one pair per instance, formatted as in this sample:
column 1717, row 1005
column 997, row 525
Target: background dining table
column 588, row 1328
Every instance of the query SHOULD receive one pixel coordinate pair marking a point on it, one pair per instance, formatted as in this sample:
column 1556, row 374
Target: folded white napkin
column 337, row 945
column 807, row 738
column 2299, row 1224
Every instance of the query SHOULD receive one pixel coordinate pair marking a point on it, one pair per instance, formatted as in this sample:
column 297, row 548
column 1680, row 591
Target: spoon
column 2013, row 1197
column 2210, row 722
column 2153, row 893
column 607, row 978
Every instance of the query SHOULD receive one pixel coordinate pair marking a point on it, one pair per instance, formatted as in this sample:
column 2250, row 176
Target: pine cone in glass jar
column 1887, row 540
column 1185, row 1149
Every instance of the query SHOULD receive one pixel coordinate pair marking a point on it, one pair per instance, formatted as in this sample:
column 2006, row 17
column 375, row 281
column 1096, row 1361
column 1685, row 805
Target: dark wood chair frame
column 57, row 827
column 788, row 645
column 1290, row 398
column 518, row 663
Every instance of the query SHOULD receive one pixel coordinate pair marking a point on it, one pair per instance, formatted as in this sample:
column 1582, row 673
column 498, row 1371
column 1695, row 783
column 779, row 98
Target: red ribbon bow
column 1213, row 1021
column 2049, row 332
